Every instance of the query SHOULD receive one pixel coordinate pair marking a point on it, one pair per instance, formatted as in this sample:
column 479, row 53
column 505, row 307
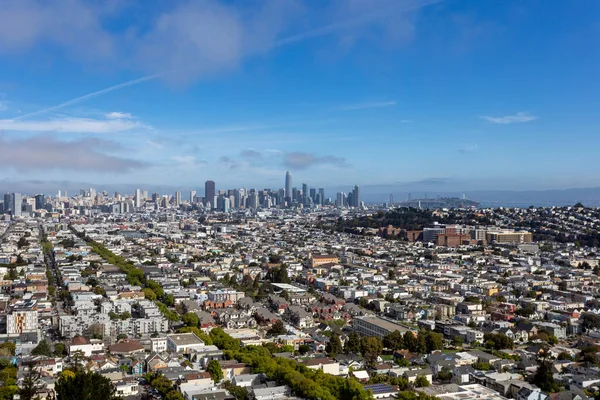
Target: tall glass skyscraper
column 288, row 186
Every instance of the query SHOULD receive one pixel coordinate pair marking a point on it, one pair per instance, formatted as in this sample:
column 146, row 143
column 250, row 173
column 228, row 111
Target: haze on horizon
column 427, row 95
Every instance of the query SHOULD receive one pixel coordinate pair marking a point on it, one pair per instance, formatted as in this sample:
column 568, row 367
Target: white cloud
column 511, row 119
column 71, row 125
column 362, row 106
column 45, row 152
column 118, row 115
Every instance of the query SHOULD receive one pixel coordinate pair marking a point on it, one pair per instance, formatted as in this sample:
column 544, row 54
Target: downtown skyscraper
column 288, row 186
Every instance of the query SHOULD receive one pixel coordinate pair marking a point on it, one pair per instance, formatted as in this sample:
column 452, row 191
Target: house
column 127, row 388
column 361, row 375
column 80, row 343
column 154, row 363
column 300, row 318
column 411, row 375
column 127, row 348
column 326, row 365
column 271, row 393
column 382, row 390
column 530, row 394
column 184, row 343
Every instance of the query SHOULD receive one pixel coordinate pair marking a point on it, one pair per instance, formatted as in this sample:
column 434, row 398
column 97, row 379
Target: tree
column 215, row 371
column 371, row 348
column 8, row 349
column 433, row 340
column 421, row 381
column 191, row 319
column 352, row 345
column 239, row 392
column 590, row 321
column 42, row 349
column 445, row 375
column 125, row 315
column 334, row 346
column 22, row 242
column 303, row 349
column 501, row 299
column 563, row 355
column 149, row 294
column 121, row 336
column 457, row 341
column 85, row 386
column 174, row 395
column 394, row 340
column 543, row 377
column 410, row 341
column 29, row 387
column 277, row 329
column 60, row 350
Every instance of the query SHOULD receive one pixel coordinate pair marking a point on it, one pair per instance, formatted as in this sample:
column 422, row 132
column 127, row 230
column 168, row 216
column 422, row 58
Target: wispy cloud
column 46, row 152
column 118, row 115
column 88, row 96
column 71, row 125
column 511, row 119
column 361, row 106
column 220, row 35
column 301, row 160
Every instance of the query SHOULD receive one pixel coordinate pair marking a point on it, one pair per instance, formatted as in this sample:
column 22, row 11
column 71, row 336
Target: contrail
column 91, row 95
column 322, row 31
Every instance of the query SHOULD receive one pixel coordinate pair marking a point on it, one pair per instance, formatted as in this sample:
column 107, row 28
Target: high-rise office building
column 304, row 192
column 138, row 198
column 341, row 199
column 7, row 209
column 177, row 199
column 17, row 204
column 209, row 193
column 356, row 197
column 288, row 186
column 39, row 201
column 322, row 193
column 313, row 194
column 192, row 196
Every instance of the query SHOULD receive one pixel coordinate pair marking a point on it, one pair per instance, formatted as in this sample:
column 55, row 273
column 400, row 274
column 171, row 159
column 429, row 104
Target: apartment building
column 22, row 318
column 375, row 326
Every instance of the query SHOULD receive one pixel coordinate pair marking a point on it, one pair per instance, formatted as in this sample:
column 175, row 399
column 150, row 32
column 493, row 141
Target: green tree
column 457, row 341
column 42, row 349
column 121, row 336
column 303, row 349
column 410, row 341
column 543, row 377
column 149, row 294
column 191, row 319
column 394, row 340
column 334, row 346
column 85, row 386
column 433, row 340
column 29, row 387
column 239, row 392
column 215, row 371
column 371, row 348
column 278, row 328
column 563, row 355
column 8, row 349
column 352, row 345
column 421, row 381
column 60, row 350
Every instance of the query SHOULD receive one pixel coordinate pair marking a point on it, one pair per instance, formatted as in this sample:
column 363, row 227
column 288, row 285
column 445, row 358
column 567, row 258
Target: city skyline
column 326, row 90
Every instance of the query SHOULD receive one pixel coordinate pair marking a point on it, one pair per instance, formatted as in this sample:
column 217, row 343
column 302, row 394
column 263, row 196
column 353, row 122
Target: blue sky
column 432, row 95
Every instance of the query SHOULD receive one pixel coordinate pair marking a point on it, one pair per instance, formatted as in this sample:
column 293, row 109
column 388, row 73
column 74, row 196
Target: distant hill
column 442, row 202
